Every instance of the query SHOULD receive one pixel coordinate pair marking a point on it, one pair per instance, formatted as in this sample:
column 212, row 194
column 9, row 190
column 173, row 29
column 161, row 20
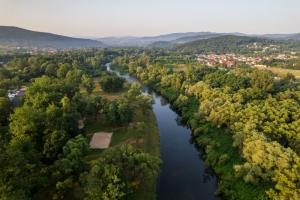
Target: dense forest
column 43, row 148
column 245, row 119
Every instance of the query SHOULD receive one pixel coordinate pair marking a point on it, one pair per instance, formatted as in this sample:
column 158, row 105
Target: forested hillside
column 18, row 37
column 232, row 44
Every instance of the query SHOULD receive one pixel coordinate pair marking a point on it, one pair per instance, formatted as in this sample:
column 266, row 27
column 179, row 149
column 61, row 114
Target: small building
column 230, row 64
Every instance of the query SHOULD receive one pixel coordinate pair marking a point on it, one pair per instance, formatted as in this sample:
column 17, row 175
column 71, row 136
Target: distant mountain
column 177, row 38
column 122, row 41
column 14, row 36
column 193, row 38
column 160, row 44
column 174, row 36
column 293, row 37
column 145, row 41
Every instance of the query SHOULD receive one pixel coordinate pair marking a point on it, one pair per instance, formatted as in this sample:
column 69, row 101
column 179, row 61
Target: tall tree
column 88, row 83
column 5, row 109
column 137, row 129
column 66, row 170
column 145, row 102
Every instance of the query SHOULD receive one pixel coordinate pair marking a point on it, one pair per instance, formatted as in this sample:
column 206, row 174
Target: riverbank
column 220, row 154
column 184, row 174
column 217, row 144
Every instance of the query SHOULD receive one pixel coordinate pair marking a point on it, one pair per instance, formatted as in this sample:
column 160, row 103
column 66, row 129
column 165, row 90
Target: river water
column 183, row 174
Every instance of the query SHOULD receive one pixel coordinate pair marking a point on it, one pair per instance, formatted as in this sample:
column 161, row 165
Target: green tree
column 104, row 182
column 135, row 90
column 20, row 170
column 28, row 124
column 111, row 83
column 51, row 70
column 66, row 170
column 118, row 112
column 5, row 109
column 54, row 144
column 119, row 170
column 145, row 102
column 63, row 70
column 88, row 83
column 137, row 129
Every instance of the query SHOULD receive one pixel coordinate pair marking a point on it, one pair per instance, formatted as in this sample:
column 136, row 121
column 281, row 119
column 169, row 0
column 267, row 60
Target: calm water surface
column 183, row 175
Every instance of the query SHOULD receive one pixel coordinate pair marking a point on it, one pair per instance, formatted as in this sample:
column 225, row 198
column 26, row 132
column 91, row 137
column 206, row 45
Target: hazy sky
column 101, row 18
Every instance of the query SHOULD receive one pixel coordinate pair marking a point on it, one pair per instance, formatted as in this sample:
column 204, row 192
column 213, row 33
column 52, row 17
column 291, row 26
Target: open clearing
column 281, row 72
column 107, row 95
column 100, row 140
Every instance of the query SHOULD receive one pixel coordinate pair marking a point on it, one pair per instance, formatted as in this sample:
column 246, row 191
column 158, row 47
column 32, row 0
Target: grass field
column 280, row 72
column 108, row 95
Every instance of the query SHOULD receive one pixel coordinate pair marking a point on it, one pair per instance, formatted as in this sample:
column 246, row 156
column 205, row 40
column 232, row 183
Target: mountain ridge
column 15, row 36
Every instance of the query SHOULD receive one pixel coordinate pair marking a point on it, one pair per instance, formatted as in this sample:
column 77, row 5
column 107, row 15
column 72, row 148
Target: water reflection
column 163, row 101
column 181, row 122
column 208, row 174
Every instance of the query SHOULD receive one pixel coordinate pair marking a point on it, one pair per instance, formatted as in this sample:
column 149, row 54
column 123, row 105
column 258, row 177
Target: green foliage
column 111, row 83
column 66, row 170
column 88, row 83
column 118, row 112
column 5, row 109
column 119, row 169
column 145, row 102
column 135, row 90
column 104, row 182
column 263, row 80
column 223, row 159
column 220, row 79
column 19, row 165
column 240, row 100
column 137, row 129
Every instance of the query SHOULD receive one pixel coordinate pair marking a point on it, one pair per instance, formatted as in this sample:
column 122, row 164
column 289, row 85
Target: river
column 183, row 174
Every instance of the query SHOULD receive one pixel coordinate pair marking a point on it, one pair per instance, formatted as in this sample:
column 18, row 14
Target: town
column 230, row 60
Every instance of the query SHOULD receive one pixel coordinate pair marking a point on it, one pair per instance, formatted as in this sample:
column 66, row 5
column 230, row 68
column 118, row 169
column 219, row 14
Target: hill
column 231, row 44
column 14, row 36
column 293, row 37
column 174, row 36
column 145, row 41
column 193, row 38
column 160, row 44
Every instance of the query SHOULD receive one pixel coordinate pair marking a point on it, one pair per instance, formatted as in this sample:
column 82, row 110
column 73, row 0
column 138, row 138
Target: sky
column 103, row 18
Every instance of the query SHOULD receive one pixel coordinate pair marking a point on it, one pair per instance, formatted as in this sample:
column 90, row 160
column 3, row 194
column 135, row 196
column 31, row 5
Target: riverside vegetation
column 245, row 119
column 45, row 155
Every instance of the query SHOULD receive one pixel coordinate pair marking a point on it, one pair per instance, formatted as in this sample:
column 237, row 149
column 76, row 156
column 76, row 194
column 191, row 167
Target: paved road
column 15, row 101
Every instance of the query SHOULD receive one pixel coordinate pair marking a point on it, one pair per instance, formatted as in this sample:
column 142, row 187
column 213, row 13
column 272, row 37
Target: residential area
column 230, row 60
